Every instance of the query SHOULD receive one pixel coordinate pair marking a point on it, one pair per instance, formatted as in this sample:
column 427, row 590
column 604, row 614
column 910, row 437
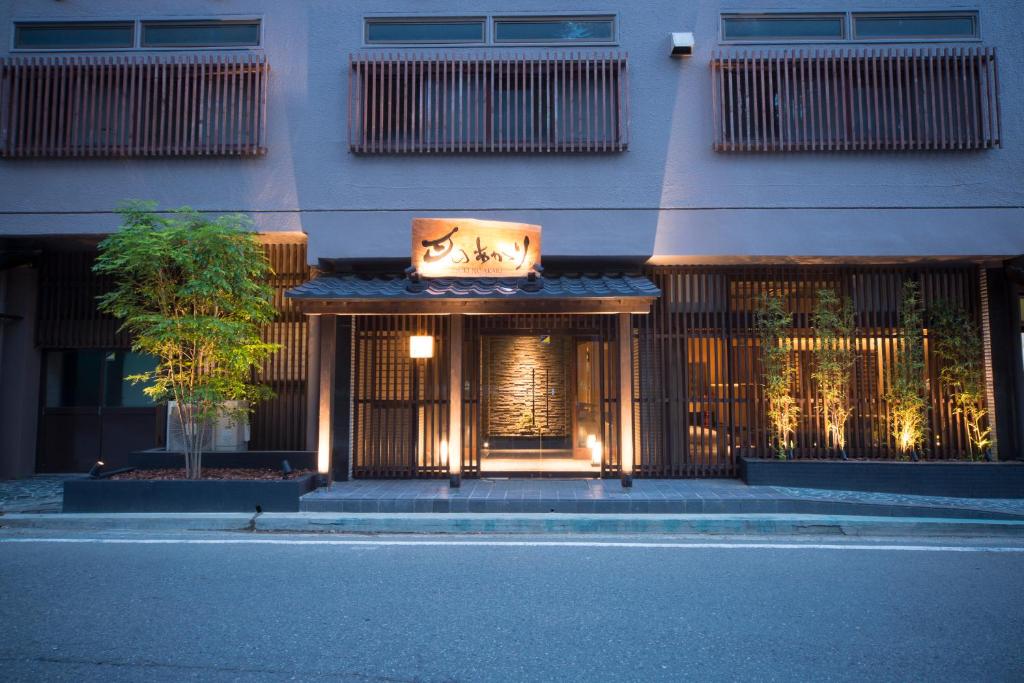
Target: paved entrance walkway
column 41, row 493
column 647, row 495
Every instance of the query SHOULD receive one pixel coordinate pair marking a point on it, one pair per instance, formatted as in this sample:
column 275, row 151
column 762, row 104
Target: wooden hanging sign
column 469, row 247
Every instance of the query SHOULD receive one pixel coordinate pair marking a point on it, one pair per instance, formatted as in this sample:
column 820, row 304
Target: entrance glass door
column 540, row 404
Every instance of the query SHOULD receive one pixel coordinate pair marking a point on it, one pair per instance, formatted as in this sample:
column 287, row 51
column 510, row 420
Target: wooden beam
column 312, row 381
column 328, row 354
column 455, row 397
column 638, row 305
column 625, row 335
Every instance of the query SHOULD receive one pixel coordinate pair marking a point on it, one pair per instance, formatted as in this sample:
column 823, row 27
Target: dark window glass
column 200, row 33
column 82, row 35
column 121, row 391
column 782, row 28
column 73, row 378
column 915, row 26
column 554, row 30
column 425, row 31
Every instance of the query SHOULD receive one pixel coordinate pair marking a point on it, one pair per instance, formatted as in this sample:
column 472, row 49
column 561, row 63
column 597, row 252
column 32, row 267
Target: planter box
column 132, row 495
column 953, row 479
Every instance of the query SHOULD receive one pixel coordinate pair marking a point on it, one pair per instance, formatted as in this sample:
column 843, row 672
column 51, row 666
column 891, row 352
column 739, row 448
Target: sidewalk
column 647, row 496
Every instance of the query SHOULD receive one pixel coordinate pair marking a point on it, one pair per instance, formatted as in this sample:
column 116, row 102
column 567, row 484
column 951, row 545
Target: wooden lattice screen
column 133, row 106
column 697, row 377
column 833, row 99
column 66, row 313
column 554, row 102
column 280, row 423
column 601, row 328
column 400, row 404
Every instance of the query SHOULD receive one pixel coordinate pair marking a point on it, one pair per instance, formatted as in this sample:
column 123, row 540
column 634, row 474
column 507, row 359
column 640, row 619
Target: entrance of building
column 540, row 404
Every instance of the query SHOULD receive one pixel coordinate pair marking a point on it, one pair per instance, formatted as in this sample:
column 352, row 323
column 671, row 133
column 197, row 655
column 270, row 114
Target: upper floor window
column 786, row 27
column 215, row 33
column 525, row 30
column 133, row 34
column 554, row 30
column 765, row 27
column 75, row 35
column 425, row 30
column 915, row 26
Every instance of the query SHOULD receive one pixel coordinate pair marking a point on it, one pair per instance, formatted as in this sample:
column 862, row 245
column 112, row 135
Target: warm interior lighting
column 444, row 452
column 421, row 346
column 323, row 449
column 595, row 450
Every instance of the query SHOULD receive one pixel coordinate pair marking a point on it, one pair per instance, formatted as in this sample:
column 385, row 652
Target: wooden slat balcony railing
column 864, row 99
column 564, row 102
column 133, row 105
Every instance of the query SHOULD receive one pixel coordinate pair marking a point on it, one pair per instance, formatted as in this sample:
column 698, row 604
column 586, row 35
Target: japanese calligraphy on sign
column 468, row 247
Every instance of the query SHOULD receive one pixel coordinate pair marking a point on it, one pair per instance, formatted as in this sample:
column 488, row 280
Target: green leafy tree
column 907, row 397
column 191, row 291
column 959, row 348
column 834, row 358
column 773, row 323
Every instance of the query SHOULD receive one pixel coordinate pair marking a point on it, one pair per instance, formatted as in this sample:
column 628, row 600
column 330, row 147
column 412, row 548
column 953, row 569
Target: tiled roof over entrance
column 548, row 292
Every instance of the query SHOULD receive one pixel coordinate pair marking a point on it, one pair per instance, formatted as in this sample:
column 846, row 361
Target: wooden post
column 625, row 334
column 328, row 353
column 455, row 399
column 312, row 381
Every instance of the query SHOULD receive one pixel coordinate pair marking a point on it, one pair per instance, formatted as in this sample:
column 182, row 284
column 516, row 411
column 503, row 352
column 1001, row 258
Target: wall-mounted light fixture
column 682, row 44
column 421, row 346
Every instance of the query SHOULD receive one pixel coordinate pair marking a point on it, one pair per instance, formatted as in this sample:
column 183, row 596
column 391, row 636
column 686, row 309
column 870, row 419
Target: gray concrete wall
column 19, row 374
column 669, row 196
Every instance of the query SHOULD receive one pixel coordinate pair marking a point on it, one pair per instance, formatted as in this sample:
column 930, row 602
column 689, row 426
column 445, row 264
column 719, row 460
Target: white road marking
column 526, row 544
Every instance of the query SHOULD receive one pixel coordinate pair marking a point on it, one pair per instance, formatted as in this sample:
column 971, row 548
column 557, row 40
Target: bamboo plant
column 959, row 348
column 833, row 326
column 907, row 397
column 773, row 324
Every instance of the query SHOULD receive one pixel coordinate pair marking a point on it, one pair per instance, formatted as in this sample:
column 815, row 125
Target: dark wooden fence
column 66, row 313
column 133, row 105
column 67, row 318
column 458, row 103
column 400, row 404
column 280, row 423
column 834, row 99
column 697, row 380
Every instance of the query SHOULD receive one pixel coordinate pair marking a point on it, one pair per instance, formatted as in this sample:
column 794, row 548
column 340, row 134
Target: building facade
column 678, row 180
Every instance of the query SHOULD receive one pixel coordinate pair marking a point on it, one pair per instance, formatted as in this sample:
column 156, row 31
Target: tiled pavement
column 646, row 495
column 41, row 493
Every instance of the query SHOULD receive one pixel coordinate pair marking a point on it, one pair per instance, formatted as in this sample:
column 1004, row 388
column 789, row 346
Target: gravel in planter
column 211, row 474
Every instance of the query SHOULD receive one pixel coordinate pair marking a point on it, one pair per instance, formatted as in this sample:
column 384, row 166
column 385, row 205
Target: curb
column 546, row 523
column 524, row 523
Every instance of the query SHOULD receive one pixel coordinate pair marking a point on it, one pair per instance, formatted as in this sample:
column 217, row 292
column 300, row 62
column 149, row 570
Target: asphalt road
column 117, row 609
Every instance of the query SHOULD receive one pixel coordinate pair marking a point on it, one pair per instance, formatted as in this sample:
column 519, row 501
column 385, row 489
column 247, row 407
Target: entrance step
column 648, row 496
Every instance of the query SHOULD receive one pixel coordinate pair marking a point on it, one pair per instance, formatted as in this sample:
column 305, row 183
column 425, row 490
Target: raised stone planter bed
column 953, row 479
column 180, row 495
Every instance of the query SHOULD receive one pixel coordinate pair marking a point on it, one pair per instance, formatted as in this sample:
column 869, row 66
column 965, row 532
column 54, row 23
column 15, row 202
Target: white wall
column 669, row 196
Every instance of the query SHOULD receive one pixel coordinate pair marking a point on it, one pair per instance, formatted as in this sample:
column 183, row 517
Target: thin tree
column 773, row 323
column 192, row 293
column 907, row 398
column 960, row 350
column 834, row 359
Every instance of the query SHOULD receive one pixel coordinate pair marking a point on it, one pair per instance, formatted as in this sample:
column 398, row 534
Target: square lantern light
column 421, row 346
